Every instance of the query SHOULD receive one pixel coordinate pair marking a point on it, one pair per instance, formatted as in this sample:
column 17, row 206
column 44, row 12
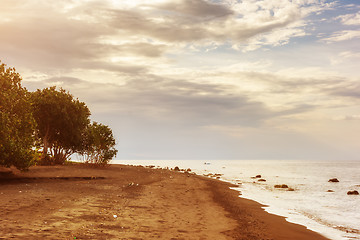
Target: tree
column 16, row 121
column 99, row 144
column 61, row 123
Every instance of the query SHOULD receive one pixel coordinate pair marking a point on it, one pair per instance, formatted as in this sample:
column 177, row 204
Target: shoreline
column 268, row 208
column 299, row 206
column 253, row 215
column 122, row 202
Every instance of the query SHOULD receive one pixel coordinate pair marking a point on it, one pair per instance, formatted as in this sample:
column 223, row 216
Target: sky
column 200, row 79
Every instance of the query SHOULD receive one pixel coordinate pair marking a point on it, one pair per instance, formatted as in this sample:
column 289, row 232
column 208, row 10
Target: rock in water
column 353, row 192
column 333, row 180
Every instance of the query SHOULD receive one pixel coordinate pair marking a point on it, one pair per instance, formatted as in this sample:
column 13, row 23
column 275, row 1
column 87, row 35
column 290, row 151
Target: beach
column 131, row 202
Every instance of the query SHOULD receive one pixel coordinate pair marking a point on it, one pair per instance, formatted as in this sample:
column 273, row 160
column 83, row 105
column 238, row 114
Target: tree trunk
column 46, row 144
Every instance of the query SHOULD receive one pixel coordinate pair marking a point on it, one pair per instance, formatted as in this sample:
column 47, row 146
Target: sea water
column 335, row 215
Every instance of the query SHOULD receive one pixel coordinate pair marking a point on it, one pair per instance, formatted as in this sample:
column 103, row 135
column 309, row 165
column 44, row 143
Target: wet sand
column 128, row 202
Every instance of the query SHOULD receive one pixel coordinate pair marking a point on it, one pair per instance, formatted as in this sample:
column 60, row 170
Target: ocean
column 333, row 214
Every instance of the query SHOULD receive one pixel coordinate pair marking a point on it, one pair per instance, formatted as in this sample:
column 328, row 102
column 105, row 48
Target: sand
column 128, row 202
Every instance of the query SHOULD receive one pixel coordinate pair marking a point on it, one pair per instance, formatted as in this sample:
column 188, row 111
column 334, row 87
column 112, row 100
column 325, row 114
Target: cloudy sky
column 200, row 79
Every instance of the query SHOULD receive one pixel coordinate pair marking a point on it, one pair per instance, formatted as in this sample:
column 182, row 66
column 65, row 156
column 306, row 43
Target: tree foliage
column 99, row 144
column 49, row 119
column 61, row 123
column 16, row 121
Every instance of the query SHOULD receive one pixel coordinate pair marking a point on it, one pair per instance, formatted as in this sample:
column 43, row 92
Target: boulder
column 261, row 180
column 291, row 189
column 353, row 192
column 281, row 186
column 176, row 168
column 333, row 180
column 258, row 176
column 330, row 190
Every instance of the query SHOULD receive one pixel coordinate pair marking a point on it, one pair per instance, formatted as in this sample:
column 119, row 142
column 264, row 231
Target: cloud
column 195, row 9
column 133, row 23
column 351, row 90
column 342, row 36
column 348, row 118
column 186, row 21
column 180, row 102
column 132, row 38
column 346, row 55
column 350, row 19
column 50, row 36
column 76, row 29
column 142, row 49
column 276, row 37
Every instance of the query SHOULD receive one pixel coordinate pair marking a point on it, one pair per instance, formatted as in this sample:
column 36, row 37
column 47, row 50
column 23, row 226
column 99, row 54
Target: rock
column 291, row 189
column 258, row 176
column 176, row 168
column 188, row 170
column 261, row 180
column 281, row 186
column 353, row 192
column 330, row 190
column 333, row 180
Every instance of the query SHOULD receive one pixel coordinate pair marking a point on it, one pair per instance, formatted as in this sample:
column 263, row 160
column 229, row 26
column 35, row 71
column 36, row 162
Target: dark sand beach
column 127, row 202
